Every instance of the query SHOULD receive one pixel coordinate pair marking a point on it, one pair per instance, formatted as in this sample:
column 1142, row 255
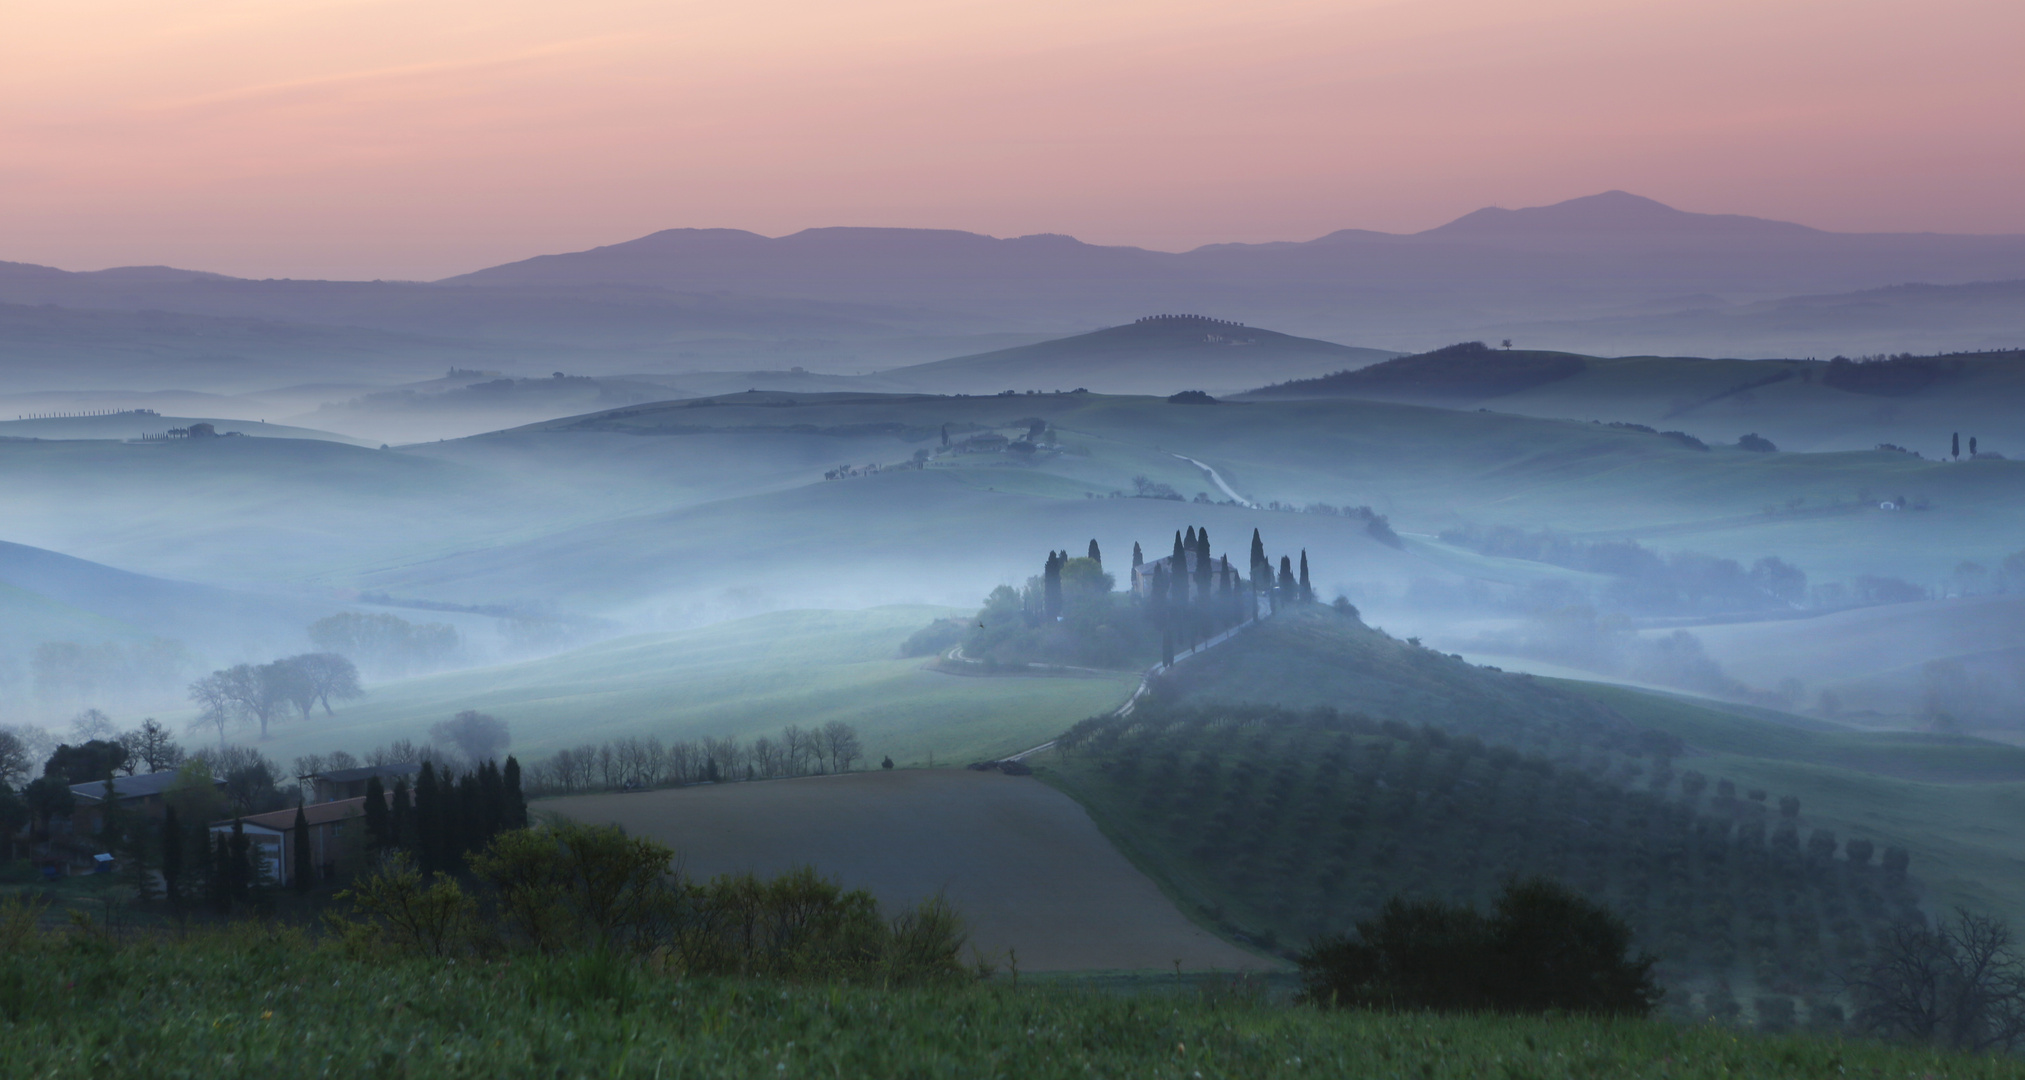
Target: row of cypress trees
column 1196, row 595
column 443, row 819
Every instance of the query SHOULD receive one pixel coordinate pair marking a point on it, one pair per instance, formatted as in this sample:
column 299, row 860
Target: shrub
column 397, row 908
column 575, row 886
column 1542, row 948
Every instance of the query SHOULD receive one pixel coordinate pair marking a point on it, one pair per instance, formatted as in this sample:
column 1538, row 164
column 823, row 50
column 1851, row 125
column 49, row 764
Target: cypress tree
column 470, row 815
column 1097, row 556
column 1051, row 585
column 401, row 818
column 378, row 827
column 173, row 845
column 515, row 816
column 1138, row 558
column 1307, row 592
column 1167, row 647
column 304, row 871
column 428, row 819
column 220, row 852
column 1262, row 570
column 1287, row 585
column 491, row 804
column 1202, row 563
column 1958, row 445
column 1177, row 576
column 1157, row 594
column 1190, row 541
column 239, row 867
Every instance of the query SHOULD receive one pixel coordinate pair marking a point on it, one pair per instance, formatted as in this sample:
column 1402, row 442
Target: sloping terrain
column 1024, row 864
column 736, row 679
column 1813, row 405
column 1160, row 355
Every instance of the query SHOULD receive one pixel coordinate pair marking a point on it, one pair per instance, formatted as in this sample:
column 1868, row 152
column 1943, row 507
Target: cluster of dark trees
column 1542, row 948
column 210, row 782
column 262, row 693
column 592, row 890
column 1193, row 595
column 445, row 816
column 635, row 763
column 1298, row 824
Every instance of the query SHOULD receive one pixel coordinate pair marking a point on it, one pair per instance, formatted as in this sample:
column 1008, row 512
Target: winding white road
column 1217, row 479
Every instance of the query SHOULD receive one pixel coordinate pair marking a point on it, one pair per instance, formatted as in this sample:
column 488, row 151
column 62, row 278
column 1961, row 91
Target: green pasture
column 738, row 679
column 258, row 1003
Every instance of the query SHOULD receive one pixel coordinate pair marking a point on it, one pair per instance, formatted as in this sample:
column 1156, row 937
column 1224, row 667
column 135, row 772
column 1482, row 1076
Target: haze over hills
column 1610, row 272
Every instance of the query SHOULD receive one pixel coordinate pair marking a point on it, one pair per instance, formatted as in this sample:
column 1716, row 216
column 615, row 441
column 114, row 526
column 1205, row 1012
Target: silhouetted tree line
column 634, row 763
column 1542, row 948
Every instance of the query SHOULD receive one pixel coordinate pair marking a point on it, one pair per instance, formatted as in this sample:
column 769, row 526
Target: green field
column 265, row 1002
column 732, row 680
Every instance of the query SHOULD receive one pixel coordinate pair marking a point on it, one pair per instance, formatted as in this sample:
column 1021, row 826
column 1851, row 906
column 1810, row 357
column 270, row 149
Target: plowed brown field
column 1024, row 864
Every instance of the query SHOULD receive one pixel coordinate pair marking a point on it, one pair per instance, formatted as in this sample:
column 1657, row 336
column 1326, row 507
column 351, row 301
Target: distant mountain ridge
column 1581, row 274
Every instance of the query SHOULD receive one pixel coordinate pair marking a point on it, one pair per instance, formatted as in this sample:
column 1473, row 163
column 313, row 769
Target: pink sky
column 373, row 138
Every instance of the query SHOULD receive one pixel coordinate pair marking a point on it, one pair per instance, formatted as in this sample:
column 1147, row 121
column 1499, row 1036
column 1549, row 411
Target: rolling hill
column 1159, row 354
column 1914, row 402
column 736, row 679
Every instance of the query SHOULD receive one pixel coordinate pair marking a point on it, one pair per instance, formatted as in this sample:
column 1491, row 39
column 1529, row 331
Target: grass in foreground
column 259, row 1002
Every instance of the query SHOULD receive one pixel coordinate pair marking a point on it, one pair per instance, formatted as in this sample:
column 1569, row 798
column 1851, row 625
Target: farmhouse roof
column 321, row 813
column 128, row 787
column 367, row 772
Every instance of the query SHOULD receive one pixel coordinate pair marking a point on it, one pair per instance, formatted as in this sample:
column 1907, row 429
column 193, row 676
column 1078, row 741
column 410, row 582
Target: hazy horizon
column 358, row 141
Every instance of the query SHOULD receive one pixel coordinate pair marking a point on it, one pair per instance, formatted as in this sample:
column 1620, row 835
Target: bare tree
column 323, row 676
column 15, row 764
column 399, row 752
column 217, row 707
column 338, row 760
column 799, row 748
column 152, row 746
column 93, row 724
column 766, row 757
column 1958, row 985
column 840, row 742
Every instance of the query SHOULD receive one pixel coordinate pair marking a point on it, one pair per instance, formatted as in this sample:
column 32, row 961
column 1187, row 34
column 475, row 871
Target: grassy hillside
column 1951, row 801
column 1308, row 657
column 1234, row 805
column 740, row 679
column 262, row 1003
column 1799, row 404
column 1282, row 826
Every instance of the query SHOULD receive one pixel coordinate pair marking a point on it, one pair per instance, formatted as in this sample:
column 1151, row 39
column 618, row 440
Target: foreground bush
column 571, row 889
column 1542, row 948
column 262, row 1004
